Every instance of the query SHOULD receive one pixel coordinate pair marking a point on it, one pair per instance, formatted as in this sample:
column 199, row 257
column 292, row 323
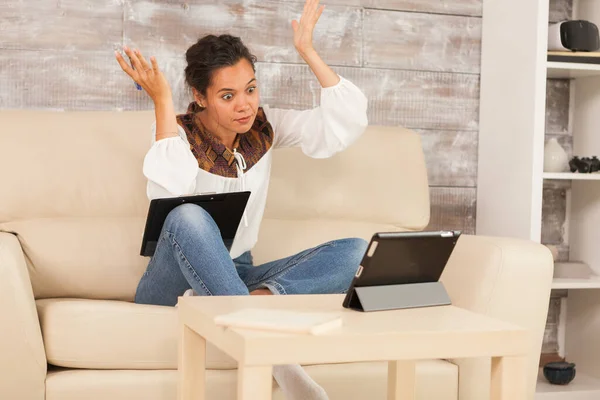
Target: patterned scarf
column 213, row 156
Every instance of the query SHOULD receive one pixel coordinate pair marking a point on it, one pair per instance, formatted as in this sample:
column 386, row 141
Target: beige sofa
column 72, row 212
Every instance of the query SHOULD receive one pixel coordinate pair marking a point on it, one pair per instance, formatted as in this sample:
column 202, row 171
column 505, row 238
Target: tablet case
column 226, row 209
column 402, row 270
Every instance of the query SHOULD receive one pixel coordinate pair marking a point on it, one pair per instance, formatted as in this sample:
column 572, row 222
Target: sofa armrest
column 23, row 364
column 505, row 278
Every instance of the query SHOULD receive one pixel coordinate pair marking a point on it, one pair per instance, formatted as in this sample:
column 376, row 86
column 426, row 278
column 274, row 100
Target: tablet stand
column 392, row 297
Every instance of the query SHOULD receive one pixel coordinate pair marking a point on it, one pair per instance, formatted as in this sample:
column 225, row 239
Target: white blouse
column 172, row 170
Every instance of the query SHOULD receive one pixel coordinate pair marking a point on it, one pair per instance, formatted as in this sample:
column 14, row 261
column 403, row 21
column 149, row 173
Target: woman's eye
column 229, row 96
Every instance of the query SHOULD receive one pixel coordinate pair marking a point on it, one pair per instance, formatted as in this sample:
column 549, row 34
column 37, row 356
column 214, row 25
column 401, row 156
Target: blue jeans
column 192, row 254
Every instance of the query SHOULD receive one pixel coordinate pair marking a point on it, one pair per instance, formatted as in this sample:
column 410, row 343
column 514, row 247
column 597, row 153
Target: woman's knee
column 350, row 254
column 188, row 216
column 353, row 250
column 356, row 248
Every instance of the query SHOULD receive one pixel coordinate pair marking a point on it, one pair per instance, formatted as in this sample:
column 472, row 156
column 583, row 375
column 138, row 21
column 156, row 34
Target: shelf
column 595, row 176
column 574, row 275
column 573, row 283
column 571, row 70
column 583, row 387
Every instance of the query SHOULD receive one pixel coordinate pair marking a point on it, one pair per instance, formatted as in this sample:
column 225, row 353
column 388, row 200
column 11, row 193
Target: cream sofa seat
column 77, row 334
column 72, row 213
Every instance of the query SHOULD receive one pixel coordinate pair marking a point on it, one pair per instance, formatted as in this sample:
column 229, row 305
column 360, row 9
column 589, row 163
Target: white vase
column 555, row 157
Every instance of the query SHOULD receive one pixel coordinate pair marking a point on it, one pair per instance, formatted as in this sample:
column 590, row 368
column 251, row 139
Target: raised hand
column 303, row 30
column 149, row 77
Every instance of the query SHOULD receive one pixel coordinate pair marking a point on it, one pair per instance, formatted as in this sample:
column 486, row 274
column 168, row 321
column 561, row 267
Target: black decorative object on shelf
column 560, row 372
column 576, row 35
column 584, row 165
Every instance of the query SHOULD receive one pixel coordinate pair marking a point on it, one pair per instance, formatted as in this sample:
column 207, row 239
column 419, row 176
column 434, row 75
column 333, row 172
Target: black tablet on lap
column 226, row 209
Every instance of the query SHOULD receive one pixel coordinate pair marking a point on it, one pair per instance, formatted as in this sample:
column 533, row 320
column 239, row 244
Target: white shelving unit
column 514, row 70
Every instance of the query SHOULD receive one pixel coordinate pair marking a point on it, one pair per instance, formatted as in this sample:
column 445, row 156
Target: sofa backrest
column 378, row 184
column 72, row 190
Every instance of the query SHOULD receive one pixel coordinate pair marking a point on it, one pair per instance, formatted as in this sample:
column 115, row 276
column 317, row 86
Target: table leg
column 255, row 382
column 191, row 365
column 509, row 378
column 401, row 380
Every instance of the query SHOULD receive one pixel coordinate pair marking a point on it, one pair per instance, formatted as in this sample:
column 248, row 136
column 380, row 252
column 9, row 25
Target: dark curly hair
column 211, row 53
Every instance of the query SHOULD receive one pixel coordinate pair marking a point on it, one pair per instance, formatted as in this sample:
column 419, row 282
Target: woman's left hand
column 303, row 30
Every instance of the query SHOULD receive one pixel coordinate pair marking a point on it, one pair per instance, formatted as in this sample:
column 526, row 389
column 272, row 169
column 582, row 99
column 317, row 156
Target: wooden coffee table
column 400, row 337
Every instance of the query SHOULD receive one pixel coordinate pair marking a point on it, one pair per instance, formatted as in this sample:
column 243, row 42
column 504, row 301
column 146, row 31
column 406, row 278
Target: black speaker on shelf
column 576, row 35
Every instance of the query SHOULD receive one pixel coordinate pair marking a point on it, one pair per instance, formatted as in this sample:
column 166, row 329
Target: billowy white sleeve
column 327, row 129
column 170, row 166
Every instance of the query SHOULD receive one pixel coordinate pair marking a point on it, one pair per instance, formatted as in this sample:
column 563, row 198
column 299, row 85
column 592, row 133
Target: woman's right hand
column 149, row 77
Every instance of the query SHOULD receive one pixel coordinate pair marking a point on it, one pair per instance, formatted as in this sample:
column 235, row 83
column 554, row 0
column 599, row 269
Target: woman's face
column 232, row 99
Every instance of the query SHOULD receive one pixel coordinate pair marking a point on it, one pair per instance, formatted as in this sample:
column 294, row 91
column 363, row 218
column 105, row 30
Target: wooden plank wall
column 416, row 60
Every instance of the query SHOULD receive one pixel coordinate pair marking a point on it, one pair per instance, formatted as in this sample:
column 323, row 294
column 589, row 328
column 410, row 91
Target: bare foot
column 260, row 292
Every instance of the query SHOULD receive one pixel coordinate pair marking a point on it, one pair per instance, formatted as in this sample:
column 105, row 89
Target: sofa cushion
column 435, row 380
column 381, row 178
column 90, row 258
column 73, row 164
column 103, row 334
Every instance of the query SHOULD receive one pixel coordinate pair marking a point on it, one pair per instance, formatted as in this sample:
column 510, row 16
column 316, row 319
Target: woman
column 223, row 144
